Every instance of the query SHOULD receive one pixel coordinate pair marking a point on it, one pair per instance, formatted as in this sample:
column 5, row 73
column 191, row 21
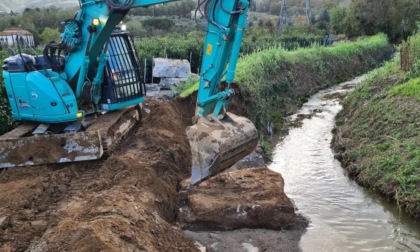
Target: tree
column 155, row 24
column 275, row 8
column 309, row 15
column 260, row 23
column 324, row 16
column 337, row 18
column 49, row 35
column 396, row 18
column 329, row 4
column 283, row 15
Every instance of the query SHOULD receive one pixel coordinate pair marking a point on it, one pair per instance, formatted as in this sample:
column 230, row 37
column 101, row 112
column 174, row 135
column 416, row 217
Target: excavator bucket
column 215, row 146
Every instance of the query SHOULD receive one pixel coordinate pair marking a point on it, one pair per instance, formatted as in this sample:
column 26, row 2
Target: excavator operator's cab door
column 122, row 86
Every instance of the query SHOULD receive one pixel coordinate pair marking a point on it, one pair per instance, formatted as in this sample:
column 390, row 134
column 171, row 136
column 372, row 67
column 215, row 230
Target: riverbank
column 353, row 218
column 377, row 135
column 274, row 83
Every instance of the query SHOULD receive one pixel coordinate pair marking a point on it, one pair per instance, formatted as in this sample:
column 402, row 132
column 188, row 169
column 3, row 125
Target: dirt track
column 124, row 203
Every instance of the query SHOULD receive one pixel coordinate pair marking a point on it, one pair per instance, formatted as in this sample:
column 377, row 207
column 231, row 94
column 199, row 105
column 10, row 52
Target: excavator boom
column 81, row 97
column 219, row 139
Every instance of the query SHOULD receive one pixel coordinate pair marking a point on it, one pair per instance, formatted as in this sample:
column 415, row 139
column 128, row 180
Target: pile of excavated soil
column 128, row 202
column 123, row 203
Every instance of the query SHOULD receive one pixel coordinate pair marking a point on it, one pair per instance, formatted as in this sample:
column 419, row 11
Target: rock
column 167, row 83
column 252, row 160
column 162, row 95
column 171, row 68
column 152, row 87
column 200, row 246
column 4, row 222
column 251, row 198
column 39, row 223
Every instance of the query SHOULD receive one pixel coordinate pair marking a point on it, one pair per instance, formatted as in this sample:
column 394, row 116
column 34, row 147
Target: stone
column 171, row 68
column 167, row 83
column 252, row 160
column 4, row 222
column 250, row 198
column 152, row 87
column 162, row 95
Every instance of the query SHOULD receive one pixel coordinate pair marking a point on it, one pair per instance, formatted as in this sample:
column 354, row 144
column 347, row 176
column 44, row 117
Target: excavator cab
column 122, row 75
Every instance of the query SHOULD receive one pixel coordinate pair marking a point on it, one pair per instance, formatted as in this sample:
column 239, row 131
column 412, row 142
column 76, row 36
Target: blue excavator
column 83, row 95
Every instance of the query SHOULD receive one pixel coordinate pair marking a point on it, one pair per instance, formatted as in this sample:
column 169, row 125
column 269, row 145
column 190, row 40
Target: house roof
column 14, row 31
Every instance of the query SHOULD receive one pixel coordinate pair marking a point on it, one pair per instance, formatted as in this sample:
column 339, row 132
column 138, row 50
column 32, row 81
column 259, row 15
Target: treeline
column 190, row 46
column 396, row 18
column 295, row 7
column 178, row 9
column 45, row 24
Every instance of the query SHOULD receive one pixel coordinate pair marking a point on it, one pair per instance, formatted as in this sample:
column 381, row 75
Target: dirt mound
column 251, row 198
column 123, row 203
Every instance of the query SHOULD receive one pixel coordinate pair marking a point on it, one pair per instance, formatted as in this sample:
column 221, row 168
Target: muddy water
column 344, row 216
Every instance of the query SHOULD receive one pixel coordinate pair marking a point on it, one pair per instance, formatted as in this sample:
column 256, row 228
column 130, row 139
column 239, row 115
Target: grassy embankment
column 377, row 134
column 276, row 82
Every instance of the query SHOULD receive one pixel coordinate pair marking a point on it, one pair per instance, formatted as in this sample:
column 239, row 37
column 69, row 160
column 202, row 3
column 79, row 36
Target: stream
column 343, row 216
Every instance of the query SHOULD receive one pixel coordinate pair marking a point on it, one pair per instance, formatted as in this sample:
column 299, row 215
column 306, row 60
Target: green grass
column 275, row 82
column 188, row 87
column 378, row 134
column 410, row 88
column 279, row 80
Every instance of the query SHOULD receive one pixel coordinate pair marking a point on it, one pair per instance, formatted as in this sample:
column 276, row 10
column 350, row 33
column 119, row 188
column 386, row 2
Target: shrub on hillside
column 6, row 121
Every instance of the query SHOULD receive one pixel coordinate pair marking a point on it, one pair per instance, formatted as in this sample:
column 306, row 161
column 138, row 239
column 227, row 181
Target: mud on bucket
column 215, row 146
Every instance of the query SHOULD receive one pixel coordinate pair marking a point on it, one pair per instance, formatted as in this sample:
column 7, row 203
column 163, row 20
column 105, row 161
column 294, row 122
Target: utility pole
column 282, row 15
column 308, row 11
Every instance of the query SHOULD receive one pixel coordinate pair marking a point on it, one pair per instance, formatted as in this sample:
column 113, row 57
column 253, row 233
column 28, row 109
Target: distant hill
column 20, row 5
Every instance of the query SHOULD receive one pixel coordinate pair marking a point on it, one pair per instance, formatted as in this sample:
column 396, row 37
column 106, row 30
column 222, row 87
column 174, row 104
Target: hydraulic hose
column 116, row 5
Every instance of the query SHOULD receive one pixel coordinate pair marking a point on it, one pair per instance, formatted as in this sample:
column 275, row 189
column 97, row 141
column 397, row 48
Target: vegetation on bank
column 276, row 82
column 190, row 46
column 377, row 134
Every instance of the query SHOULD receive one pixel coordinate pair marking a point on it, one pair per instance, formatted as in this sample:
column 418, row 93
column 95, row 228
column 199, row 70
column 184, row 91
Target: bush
column 6, row 121
column 153, row 24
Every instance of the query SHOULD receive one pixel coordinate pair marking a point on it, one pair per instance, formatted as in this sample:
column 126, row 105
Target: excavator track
column 19, row 149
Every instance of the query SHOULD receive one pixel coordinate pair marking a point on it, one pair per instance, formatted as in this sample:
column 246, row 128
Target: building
column 10, row 37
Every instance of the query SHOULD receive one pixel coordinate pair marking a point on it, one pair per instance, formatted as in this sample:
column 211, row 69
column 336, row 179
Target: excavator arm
column 219, row 139
column 92, row 71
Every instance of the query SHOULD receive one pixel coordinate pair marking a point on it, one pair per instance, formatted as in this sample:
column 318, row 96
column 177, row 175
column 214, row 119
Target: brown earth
column 124, row 203
column 128, row 202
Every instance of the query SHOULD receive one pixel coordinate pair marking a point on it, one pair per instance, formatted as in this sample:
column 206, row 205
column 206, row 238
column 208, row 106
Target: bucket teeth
column 217, row 146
